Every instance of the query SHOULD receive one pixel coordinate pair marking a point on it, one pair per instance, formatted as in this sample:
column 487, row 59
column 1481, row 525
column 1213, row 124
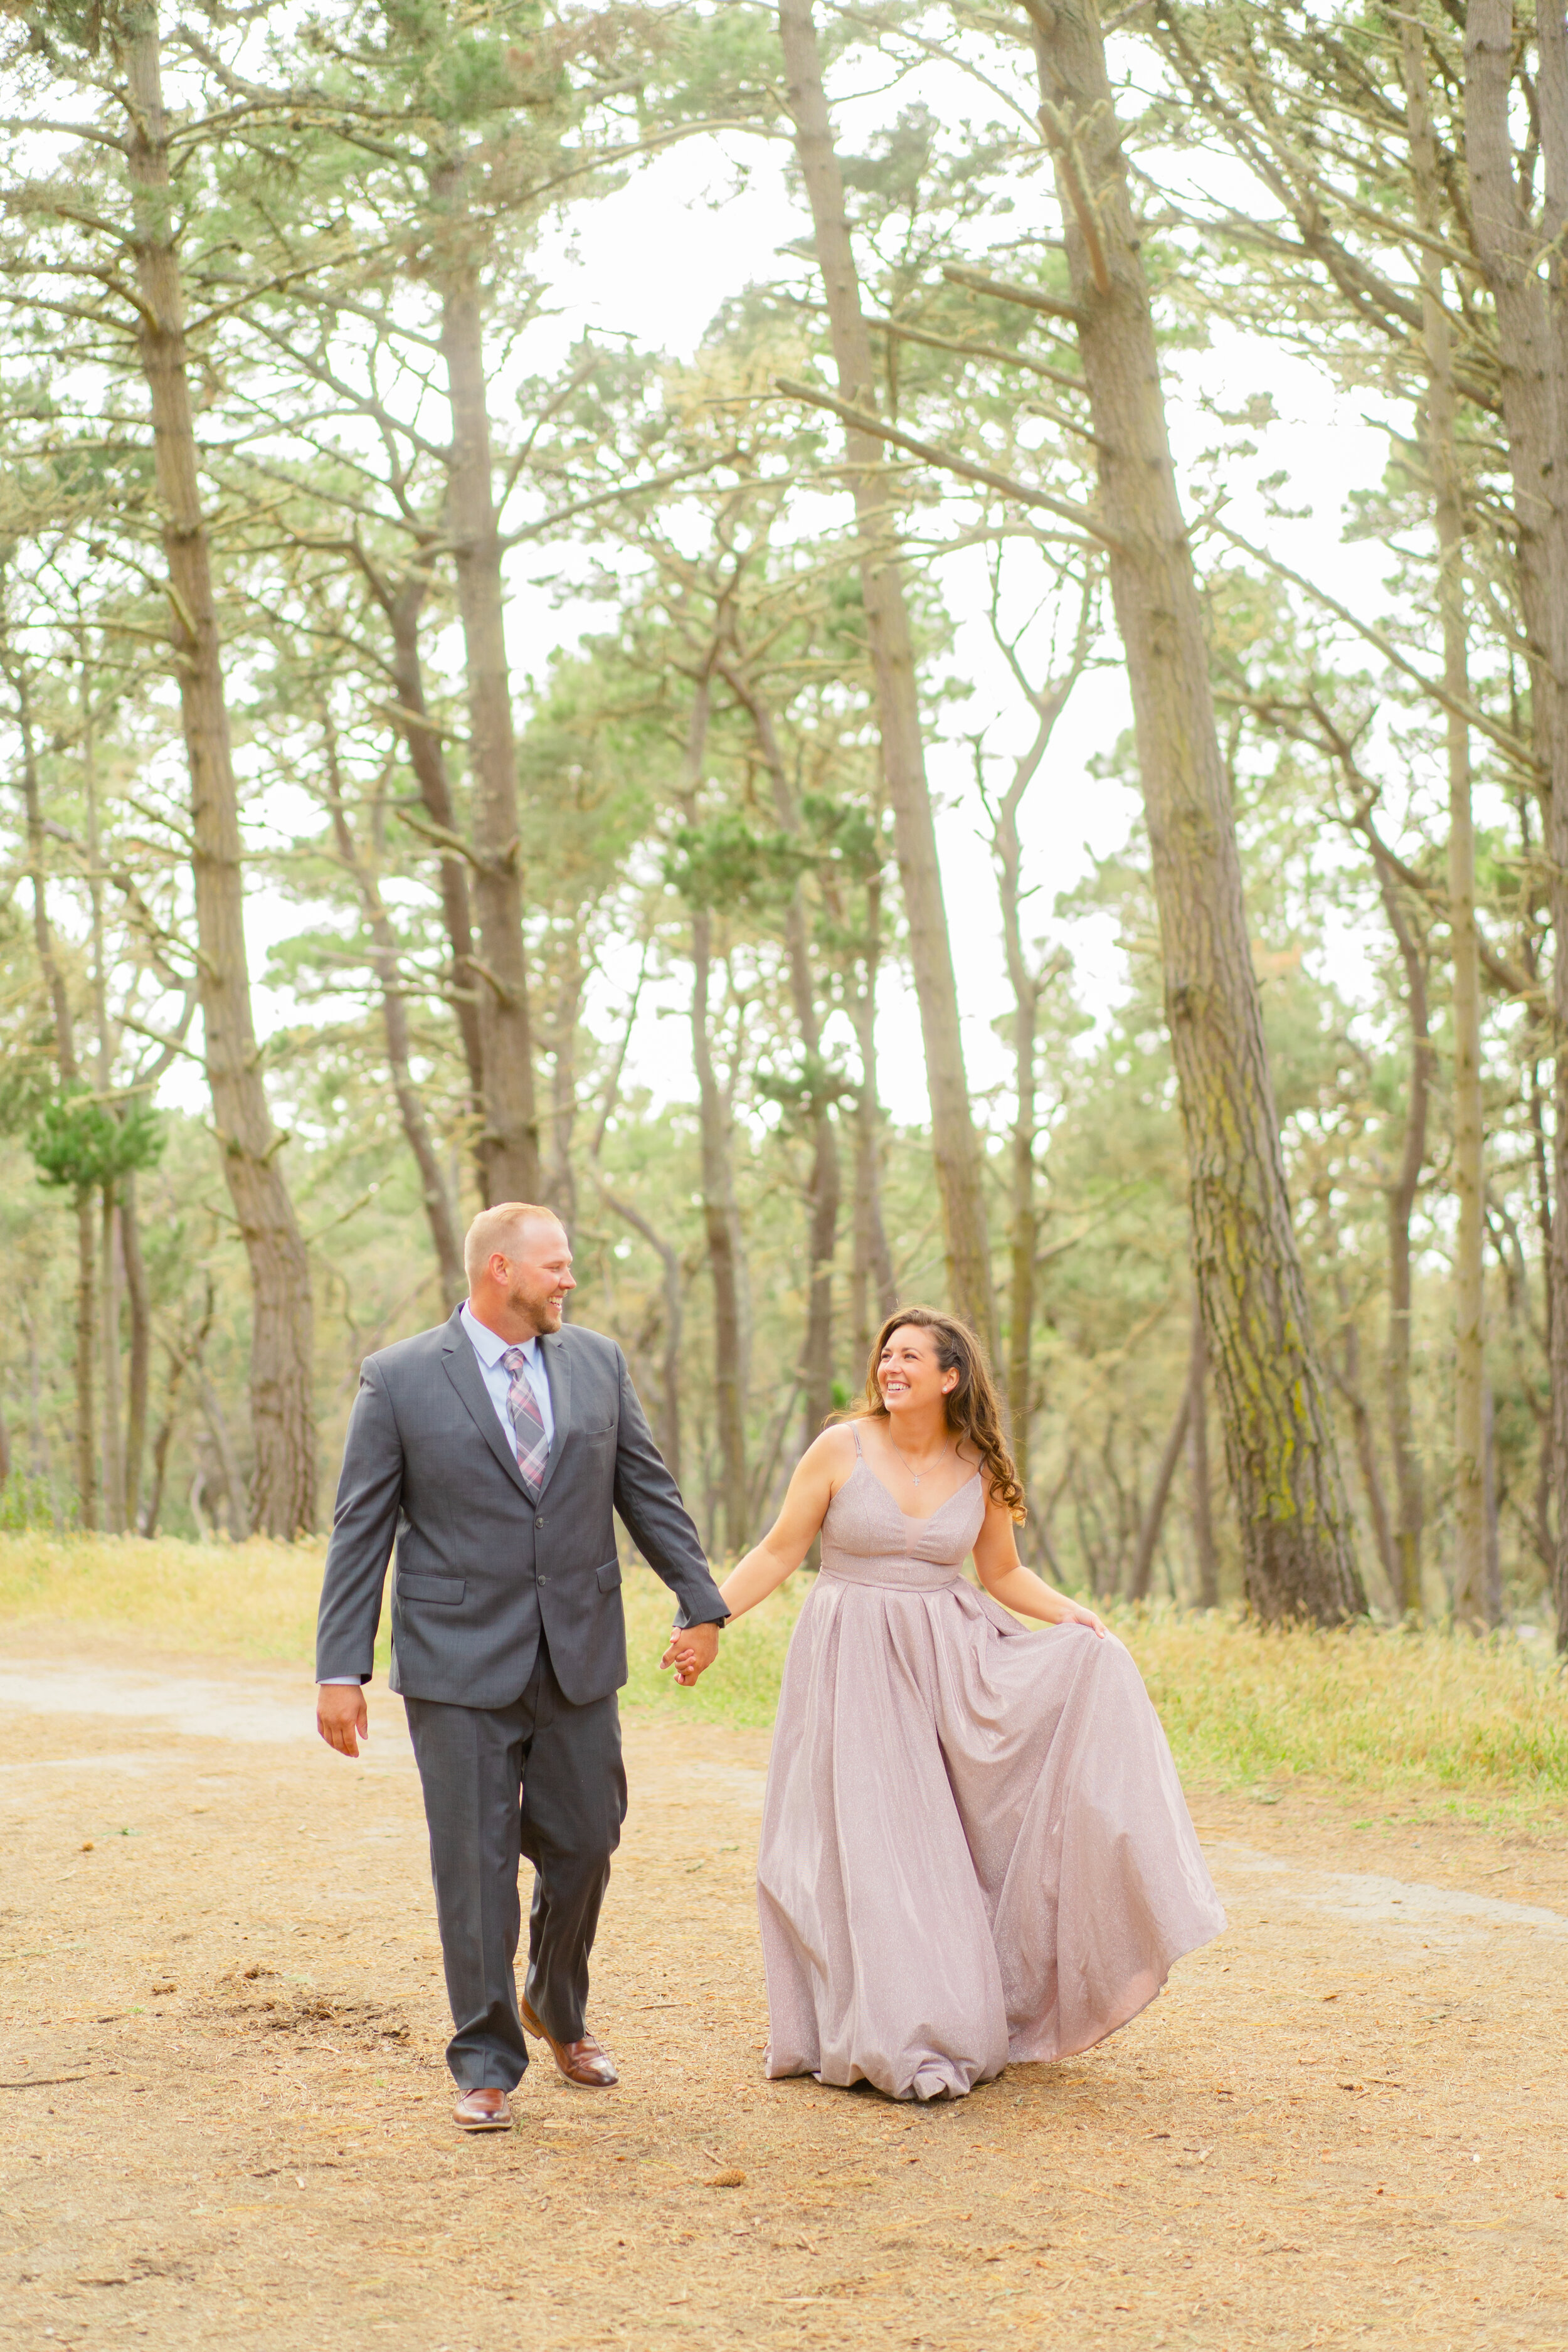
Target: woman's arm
column 820, row 1472
column 818, row 1475
column 1017, row 1587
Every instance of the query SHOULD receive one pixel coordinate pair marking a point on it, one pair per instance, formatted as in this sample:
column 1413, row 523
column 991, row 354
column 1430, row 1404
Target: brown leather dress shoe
column 483, row 2111
column 583, row 2062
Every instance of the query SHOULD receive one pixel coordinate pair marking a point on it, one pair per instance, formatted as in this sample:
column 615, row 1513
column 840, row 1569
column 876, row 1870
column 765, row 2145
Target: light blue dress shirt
column 489, row 1347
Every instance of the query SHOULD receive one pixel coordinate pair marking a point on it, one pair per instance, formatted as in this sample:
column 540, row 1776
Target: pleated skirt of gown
column 975, row 1845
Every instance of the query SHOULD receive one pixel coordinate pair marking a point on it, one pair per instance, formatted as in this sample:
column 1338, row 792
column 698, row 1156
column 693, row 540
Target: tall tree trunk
column 140, row 1356
column 1142, row 1566
column 108, row 1343
column 871, row 1274
column 720, row 1219
column 113, row 1458
column 85, row 1432
column 281, row 1360
column 1198, row 1460
column 1028, row 983
column 826, row 1185
column 1297, row 1548
column 561, row 1179
column 86, row 1348
column 1441, row 436
column 1493, row 1587
column 1531, row 307
column 1024, row 1233
column 438, row 1212
column 1348, row 1382
column 959, row 1172
column 223, row 1444
column 674, row 1319
column 405, row 607
column 511, row 1129
column 720, row 1229
column 192, row 1348
column 1401, row 1198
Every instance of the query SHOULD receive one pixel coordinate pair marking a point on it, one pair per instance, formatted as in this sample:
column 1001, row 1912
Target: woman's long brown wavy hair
column 973, row 1409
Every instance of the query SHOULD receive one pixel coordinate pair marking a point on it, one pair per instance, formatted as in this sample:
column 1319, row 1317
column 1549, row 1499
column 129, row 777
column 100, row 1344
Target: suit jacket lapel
column 557, row 1365
column 463, row 1371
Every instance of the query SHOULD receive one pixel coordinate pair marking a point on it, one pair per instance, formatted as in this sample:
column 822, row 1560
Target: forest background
column 597, row 605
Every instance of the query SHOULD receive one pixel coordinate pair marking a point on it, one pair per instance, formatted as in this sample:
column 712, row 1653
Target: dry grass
column 1480, row 1726
column 1386, row 1710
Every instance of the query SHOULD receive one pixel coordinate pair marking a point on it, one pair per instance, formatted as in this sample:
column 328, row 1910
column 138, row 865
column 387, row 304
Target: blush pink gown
column 974, row 1845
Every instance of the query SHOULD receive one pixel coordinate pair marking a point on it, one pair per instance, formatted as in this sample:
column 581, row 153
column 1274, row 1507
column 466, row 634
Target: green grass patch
column 1426, row 1714
column 1478, row 1727
column 255, row 1600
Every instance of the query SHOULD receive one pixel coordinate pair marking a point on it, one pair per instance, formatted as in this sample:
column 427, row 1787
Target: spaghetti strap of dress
column 856, row 1435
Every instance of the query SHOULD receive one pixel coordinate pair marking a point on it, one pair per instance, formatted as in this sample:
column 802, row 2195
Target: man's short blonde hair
column 499, row 1228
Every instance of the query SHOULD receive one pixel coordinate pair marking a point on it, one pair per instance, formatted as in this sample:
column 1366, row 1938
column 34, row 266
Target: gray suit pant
column 539, row 1778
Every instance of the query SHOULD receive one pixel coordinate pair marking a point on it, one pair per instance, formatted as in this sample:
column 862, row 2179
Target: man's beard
column 542, row 1313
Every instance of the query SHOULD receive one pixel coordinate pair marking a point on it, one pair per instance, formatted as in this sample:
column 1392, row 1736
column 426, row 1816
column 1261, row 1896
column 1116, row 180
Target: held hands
column 341, row 1715
column 692, row 1650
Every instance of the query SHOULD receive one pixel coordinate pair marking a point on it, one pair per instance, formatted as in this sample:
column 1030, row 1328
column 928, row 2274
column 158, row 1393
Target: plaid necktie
column 527, row 1422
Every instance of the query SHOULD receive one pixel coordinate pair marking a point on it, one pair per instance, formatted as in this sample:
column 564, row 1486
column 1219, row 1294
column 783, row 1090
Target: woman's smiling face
column 908, row 1372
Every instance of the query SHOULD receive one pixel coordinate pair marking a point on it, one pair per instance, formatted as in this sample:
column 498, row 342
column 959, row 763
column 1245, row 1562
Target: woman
column 974, row 1846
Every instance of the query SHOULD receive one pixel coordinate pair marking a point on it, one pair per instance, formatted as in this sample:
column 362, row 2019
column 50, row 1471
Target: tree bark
column 674, row 1319
column 85, row 1430
column 1401, row 1198
column 871, row 1274
column 223, row 1444
column 140, row 1355
column 112, row 1455
column 108, row 1343
column 405, row 608
column 439, row 1213
column 955, row 1146
column 1469, row 1179
column 1198, row 1462
column 1028, row 983
column 1531, row 310
column 86, row 1457
column 1142, row 1567
column 1493, row 1587
column 720, row 1219
column 826, row 1185
column 1348, row 1382
column 190, row 1352
column 1297, row 1549
column 561, row 1176
column 719, row 1225
column 511, row 1129
column 281, row 1364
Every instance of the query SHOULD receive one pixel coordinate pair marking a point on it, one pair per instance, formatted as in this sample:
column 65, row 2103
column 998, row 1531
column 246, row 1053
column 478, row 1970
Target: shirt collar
column 489, row 1345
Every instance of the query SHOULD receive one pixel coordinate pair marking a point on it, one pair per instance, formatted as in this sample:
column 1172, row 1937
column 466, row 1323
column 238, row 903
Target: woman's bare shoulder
column 832, row 1454
column 835, row 1445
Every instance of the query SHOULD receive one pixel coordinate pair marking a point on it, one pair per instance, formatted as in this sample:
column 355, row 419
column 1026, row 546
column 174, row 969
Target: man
column 495, row 1448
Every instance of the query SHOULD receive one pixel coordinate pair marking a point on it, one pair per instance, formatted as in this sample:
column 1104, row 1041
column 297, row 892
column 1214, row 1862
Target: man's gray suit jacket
column 480, row 1566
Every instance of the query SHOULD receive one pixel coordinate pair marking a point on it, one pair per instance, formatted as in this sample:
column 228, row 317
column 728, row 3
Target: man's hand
column 341, row 1715
column 692, row 1650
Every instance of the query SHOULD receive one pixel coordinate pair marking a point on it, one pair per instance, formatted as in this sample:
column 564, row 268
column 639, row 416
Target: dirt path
column 225, row 2121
